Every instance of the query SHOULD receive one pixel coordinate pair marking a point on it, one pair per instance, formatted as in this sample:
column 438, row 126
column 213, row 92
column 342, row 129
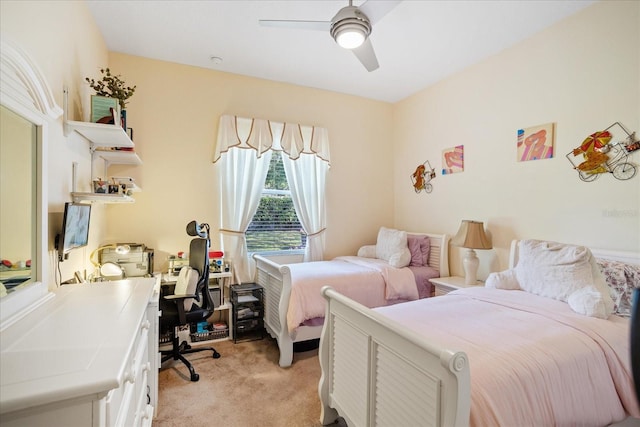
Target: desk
column 221, row 280
column 86, row 357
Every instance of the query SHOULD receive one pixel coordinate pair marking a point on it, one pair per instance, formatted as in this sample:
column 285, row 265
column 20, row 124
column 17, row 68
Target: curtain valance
column 262, row 135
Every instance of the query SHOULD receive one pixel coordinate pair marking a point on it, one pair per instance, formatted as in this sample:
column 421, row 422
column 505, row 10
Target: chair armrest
column 179, row 297
column 177, row 300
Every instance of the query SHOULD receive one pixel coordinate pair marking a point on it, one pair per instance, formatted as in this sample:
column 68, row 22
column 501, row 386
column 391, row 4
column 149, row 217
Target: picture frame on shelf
column 103, row 107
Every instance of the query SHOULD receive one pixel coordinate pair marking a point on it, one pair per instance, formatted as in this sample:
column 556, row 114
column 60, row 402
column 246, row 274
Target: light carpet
column 244, row 387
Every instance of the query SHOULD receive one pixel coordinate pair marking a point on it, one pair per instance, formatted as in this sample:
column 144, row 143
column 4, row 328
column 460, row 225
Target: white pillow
column 186, row 285
column 503, row 280
column 589, row 301
column 368, row 251
column 600, row 284
column 566, row 273
column 391, row 246
column 553, row 270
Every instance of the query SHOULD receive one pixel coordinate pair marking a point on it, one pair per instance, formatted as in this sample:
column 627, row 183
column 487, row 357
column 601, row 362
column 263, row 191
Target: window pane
column 275, row 226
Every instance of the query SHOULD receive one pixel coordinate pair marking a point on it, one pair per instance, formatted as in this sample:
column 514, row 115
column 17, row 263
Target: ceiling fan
column 350, row 27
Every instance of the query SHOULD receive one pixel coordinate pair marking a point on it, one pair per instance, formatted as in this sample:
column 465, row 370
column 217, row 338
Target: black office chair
column 173, row 309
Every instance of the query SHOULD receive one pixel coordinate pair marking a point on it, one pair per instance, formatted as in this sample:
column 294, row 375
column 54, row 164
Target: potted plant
column 112, row 86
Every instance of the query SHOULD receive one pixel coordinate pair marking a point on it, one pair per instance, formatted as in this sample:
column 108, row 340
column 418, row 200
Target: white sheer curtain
column 243, row 153
column 240, row 177
column 306, row 176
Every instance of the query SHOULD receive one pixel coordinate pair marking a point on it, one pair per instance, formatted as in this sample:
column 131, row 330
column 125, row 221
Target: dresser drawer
column 122, row 402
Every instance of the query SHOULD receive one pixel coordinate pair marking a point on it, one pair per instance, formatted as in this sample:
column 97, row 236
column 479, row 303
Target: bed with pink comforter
column 371, row 282
column 479, row 356
column 567, row 369
column 295, row 308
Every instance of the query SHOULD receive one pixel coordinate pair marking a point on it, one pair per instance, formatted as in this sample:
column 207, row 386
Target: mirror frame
column 24, row 91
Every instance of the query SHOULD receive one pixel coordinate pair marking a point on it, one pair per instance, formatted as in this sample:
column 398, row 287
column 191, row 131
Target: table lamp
column 474, row 238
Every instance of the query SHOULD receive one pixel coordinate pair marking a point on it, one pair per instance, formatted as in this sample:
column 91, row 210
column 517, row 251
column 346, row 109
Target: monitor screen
column 75, row 228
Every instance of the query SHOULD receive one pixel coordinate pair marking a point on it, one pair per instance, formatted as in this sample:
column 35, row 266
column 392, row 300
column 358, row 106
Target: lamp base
column 470, row 264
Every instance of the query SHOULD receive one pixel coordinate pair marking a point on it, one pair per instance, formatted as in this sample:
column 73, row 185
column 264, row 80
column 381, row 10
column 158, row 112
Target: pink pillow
column 419, row 246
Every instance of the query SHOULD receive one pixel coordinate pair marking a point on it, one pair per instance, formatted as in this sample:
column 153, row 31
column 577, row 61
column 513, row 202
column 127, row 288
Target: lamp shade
column 458, row 239
column 475, row 237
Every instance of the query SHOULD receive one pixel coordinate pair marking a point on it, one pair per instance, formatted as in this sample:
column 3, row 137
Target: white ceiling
column 417, row 44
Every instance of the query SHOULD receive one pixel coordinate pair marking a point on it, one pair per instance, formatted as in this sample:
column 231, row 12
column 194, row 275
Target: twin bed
column 294, row 307
column 485, row 356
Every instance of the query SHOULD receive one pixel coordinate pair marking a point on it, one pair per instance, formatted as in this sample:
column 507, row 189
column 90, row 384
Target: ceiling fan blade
column 367, row 56
column 376, row 9
column 298, row 25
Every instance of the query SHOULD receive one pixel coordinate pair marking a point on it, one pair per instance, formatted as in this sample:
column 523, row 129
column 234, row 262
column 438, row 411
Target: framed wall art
column 536, row 142
column 453, row 160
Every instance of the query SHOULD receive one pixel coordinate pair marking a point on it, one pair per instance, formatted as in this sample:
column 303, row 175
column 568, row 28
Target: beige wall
column 581, row 79
column 582, row 74
column 175, row 113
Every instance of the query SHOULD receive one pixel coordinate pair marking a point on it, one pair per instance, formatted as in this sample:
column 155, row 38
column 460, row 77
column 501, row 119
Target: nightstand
column 444, row 285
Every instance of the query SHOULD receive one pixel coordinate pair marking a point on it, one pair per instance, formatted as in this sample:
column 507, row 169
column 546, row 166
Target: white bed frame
column 274, row 275
column 375, row 372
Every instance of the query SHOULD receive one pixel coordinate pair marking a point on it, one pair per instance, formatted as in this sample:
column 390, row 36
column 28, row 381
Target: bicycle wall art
column 598, row 155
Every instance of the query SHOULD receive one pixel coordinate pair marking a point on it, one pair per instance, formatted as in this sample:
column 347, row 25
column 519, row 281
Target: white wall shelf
column 103, row 139
column 118, row 157
column 101, row 198
column 99, row 134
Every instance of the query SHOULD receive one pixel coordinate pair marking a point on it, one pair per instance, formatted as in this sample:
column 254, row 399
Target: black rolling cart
column 247, row 300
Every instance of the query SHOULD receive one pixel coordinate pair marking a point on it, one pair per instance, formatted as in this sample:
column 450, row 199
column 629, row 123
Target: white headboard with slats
column 439, row 253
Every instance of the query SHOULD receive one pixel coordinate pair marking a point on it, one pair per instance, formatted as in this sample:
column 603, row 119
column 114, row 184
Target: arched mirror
column 26, row 109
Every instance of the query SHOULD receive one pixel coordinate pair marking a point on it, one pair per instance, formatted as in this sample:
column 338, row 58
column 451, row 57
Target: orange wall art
column 453, row 160
column 535, row 143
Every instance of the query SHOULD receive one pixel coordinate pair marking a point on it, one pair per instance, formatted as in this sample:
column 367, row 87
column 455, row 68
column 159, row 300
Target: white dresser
column 87, row 357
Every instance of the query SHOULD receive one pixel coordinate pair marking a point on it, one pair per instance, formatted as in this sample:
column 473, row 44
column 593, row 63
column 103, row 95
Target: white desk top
column 73, row 345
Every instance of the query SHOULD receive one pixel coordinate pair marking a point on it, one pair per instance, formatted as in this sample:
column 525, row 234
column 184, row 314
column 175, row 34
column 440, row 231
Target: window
column 275, row 226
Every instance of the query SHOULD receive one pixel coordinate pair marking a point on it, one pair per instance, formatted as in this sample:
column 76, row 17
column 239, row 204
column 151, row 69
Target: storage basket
column 210, row 335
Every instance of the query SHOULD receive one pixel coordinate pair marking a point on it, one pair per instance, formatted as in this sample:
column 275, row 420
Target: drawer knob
column 146, row 324
column 129, row 377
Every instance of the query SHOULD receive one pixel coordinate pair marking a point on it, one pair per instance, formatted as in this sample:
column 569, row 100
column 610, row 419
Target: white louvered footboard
column 374, row 373
column 275, row 278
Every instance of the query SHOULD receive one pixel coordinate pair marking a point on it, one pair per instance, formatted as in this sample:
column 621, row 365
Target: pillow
column 553, row 270
column 368, row 251
column 186, row 285
column 392, row 247
column 601, row 286
column 503, row 280
column 419, row 246
column 620, row 278
column 559, row 271
column 589, row 301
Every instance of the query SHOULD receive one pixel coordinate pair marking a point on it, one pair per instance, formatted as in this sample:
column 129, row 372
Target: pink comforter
column 369, row 281
column 533, row 361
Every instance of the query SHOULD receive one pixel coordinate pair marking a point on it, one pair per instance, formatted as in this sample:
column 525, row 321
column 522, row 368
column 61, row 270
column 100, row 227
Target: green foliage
column 112, row 86
column 274, row 208
column 275, row 225
column 276, row 178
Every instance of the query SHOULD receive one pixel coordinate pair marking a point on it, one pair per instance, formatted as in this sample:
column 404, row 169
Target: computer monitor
column 75, row 229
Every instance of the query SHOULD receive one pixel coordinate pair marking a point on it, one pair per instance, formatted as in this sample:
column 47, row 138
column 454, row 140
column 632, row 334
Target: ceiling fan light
column 350, row 38
column 350, row 27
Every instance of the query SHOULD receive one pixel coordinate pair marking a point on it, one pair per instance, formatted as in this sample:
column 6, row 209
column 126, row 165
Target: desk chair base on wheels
column 191, row 301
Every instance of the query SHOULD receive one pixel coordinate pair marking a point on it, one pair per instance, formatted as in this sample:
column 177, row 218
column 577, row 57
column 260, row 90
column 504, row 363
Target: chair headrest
column 200, row 230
